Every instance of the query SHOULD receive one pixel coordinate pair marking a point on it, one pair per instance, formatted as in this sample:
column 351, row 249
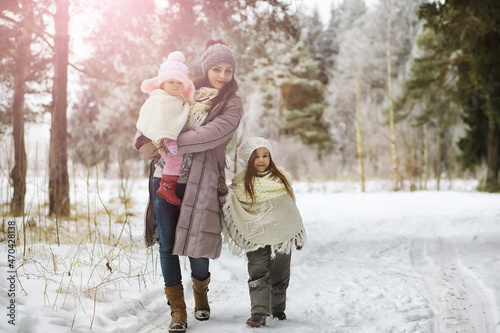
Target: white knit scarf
column 273, row 219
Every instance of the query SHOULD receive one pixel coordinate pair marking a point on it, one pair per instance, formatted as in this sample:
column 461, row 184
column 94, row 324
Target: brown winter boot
column 167, row 189
column 201, row 307
column 175, row 297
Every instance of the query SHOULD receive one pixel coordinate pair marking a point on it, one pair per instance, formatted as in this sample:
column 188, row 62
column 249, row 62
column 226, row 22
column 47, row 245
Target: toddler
column 163, row 116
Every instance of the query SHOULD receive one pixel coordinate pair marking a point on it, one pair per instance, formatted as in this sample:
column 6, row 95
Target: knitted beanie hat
column 215, row 53
column 173, row 68
column 246, row 149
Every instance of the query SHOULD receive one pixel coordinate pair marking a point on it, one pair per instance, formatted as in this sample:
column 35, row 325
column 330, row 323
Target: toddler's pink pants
column 173, row 163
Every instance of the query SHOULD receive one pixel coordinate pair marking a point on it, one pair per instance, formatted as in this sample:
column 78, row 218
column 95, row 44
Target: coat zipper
column 194, row 204
column 219, row 106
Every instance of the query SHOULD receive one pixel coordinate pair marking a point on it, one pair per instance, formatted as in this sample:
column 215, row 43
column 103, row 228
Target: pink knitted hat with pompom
column 173, row 68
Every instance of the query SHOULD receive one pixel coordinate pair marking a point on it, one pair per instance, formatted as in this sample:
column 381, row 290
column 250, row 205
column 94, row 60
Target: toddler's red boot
column 167, row 189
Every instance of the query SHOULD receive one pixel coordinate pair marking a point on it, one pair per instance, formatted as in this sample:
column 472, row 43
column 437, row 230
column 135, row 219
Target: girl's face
column 173, row 87
column 262, row 159
column 219, row 75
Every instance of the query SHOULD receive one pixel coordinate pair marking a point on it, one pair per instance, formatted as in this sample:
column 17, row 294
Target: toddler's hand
column 172, row 147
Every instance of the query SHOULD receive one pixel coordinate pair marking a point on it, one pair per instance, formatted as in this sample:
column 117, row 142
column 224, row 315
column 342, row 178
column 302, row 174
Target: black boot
column 256, row 320
column 279, row 315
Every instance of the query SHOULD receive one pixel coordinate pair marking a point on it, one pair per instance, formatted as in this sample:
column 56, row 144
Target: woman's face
column 262, row 159
column 220, row 75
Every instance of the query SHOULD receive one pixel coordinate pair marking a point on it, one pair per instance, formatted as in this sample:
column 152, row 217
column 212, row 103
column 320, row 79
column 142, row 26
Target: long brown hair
column 251, row 173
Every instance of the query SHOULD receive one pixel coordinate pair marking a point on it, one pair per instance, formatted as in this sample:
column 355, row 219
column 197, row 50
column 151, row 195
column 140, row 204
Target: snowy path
column 376, row 262
column 460, row 305
column 383, row 262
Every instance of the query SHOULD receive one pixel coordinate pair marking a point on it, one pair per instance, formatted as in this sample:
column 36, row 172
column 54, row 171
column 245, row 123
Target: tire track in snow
column 456, row 298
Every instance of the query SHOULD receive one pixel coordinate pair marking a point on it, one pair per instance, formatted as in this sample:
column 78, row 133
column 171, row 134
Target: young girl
column 163, row 116
column 261, row 217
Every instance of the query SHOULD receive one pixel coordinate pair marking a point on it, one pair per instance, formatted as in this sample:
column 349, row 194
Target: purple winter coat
column 198, row 232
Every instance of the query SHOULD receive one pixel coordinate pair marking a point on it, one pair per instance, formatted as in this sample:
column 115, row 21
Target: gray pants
column 269, row 279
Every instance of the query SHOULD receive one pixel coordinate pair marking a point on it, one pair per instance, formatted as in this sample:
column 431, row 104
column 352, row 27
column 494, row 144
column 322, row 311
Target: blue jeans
column 166, row 219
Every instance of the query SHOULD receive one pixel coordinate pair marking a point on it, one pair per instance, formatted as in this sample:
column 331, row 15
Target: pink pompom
column 176, row 56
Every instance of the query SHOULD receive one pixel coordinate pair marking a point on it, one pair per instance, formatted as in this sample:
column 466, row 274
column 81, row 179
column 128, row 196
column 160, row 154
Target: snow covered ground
column 381, row 261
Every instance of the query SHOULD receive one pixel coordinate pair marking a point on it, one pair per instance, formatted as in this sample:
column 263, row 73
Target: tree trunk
column 391, row 107
column 359, row 134
column 58, row 156
column 493, row 145
column 18, row 173
column 426, row 157
column 449, row 169
column 438, row 157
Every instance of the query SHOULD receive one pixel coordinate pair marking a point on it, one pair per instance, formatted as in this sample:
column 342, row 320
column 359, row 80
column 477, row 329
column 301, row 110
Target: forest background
column 405, row 90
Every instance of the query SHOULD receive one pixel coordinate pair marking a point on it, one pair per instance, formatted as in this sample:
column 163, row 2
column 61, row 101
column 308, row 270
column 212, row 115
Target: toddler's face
column 173, row 87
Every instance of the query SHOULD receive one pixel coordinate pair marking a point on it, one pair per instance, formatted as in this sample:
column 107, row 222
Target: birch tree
column 390, row 31
column 394, row 152
column 359, row 132
column 347, row 82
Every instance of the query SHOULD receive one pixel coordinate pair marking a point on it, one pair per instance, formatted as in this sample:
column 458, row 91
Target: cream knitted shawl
column 162, row 116
column 274, row 218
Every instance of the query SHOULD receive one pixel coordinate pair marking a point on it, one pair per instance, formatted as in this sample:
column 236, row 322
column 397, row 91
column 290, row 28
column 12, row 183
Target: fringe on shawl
column 237, row 244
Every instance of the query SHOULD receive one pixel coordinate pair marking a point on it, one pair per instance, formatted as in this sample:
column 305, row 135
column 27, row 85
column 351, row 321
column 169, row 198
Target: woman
column 193, row 229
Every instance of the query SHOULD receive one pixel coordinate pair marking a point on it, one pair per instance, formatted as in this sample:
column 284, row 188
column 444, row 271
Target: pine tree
column 430, row 88
column 394, row 153
column 314, row 39
column 59, row 204
column 293, row 96
column 473, row 29
column 349, row 12
column 22, row 59
column 330, row 41
column 20, row 64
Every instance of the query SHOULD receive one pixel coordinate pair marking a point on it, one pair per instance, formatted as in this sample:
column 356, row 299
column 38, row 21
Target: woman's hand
column 150, row 151
column 146, row 147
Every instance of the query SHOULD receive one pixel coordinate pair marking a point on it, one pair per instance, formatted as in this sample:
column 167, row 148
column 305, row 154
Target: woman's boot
column 175, row 297
column 201, row 307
